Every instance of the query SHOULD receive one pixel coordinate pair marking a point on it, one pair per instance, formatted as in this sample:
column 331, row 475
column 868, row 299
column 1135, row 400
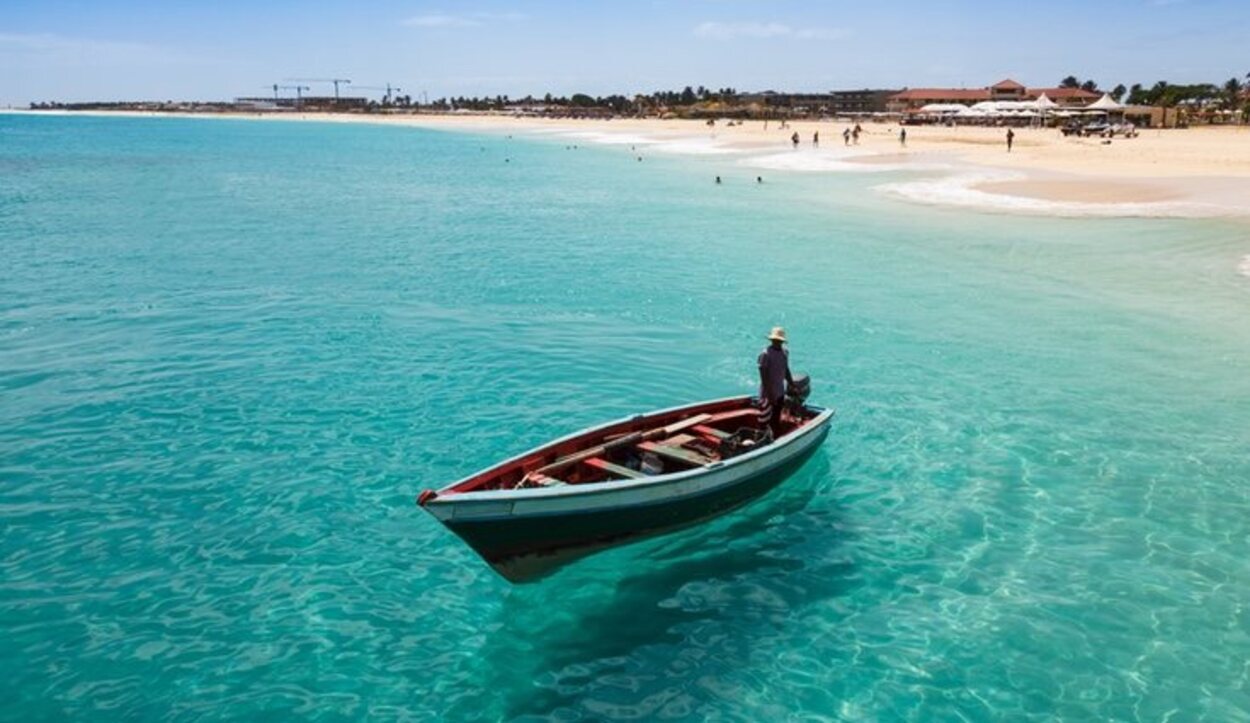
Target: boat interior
column 641, row 447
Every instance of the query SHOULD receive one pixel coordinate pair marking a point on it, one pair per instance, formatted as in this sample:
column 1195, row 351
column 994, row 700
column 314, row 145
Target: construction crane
column 390, row 90
column 336, row 82
column 299, row 92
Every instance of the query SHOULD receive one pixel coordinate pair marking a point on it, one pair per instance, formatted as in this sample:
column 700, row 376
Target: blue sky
column 136, row 49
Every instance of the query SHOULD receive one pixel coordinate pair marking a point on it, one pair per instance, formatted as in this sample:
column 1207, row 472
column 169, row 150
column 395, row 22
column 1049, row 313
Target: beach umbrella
column 942, row 108
column 1104, row 105
column 972, row 114
column 1045, row 105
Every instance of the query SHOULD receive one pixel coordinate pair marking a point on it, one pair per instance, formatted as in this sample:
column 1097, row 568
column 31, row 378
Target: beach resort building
column 913, row 99
column 835, row 102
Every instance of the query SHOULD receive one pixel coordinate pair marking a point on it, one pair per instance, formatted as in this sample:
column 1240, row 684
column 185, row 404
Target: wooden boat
column 628, row 479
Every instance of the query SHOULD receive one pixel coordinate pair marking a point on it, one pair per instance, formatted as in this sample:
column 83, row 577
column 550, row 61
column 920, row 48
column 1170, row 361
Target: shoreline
column 1195, row 172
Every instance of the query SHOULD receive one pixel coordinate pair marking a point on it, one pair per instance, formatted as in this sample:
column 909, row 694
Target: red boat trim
column 591, row 490
column 577, row 441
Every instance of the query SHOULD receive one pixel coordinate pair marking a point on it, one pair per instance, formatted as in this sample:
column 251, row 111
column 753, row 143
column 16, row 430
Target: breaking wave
column 818, row 163
column 960, row 191
column 678, row 146
column 610, row 139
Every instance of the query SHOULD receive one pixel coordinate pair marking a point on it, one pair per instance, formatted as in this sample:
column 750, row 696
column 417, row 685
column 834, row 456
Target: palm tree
column 1232, row 92
column 1245, row 111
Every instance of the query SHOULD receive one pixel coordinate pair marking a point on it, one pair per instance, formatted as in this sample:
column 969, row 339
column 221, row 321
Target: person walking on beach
column 855, row 134
column 1011, row 136
column 902, row 137
column 846, row 137
column 774, row 364
column 795, row 139
column 816, row 139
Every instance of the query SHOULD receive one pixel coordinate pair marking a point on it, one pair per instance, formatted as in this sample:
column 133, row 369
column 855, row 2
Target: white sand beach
column 1200, row 171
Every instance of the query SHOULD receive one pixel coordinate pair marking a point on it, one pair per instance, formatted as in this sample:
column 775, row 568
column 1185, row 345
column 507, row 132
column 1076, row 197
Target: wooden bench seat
column 615, row 469
column 677, row 440
column 545, row 481
column 713, row 432
column 686, row 423
column 733, row 415
column 622, row 440
column 676, row 453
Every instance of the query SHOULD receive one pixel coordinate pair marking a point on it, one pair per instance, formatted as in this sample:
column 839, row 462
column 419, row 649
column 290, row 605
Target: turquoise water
column 232, row 353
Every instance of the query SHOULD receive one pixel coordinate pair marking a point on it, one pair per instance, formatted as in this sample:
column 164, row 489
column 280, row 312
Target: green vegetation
column 1195, row 101
column 1073, row 82
column 1233, row 94
column 616, row 103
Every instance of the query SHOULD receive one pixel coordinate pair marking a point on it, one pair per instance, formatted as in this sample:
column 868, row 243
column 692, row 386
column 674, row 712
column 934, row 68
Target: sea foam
column 693, row 147
column 1244, row 267
column 678, row 146
column 820, row 162
column 960, row 191
column 611, row 139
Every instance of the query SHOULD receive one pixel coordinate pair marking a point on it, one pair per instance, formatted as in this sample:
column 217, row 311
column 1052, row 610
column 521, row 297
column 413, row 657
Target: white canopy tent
column 940, row 108
column 1012, row 107
column 1104, row 104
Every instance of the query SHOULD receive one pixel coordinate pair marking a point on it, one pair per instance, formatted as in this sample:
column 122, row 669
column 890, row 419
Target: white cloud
column 732, row 31
column 60, row 50
column 49, row 43
column 438, row 20
column 463, row 20
column 820, row 33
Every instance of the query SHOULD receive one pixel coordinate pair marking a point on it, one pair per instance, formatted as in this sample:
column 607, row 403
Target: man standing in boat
column 774, row 365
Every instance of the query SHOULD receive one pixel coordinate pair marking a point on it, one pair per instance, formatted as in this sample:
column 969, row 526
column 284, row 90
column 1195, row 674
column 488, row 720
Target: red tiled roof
column 1057, row 93
column 976, row 94
column 1007, row 84
column 942, row 94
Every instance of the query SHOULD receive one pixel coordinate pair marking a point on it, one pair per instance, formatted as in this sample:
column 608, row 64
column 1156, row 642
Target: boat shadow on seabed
column 738, row 578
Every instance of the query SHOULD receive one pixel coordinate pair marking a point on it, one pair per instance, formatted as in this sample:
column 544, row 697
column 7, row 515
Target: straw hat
column 777, row 334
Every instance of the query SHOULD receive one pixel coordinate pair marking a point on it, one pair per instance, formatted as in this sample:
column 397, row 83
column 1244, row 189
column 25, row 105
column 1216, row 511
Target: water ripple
column 223, row 385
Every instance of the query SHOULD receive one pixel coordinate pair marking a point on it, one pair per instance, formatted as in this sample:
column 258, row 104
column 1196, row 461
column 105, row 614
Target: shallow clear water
column 232, row 353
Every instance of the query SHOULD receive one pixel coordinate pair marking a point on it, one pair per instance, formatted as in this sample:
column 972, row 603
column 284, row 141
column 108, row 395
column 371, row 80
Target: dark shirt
column 774, row 371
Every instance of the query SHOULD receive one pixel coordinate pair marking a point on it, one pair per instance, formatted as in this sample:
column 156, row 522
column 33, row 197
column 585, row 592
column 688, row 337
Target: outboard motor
column 797, row 394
